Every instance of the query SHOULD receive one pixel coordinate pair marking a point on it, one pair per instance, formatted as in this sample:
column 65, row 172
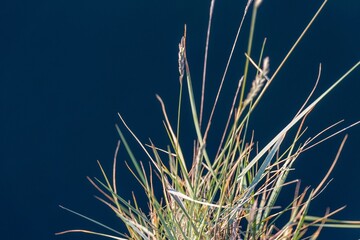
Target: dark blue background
column 68, row 67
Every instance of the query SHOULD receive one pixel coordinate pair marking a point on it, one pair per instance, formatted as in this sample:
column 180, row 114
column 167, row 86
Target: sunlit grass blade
column 91, row 220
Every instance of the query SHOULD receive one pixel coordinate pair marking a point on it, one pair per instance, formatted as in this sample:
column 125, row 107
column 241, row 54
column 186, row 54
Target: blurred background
column 68, row 67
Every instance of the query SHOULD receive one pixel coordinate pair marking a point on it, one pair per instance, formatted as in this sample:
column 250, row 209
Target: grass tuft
column 232, row 194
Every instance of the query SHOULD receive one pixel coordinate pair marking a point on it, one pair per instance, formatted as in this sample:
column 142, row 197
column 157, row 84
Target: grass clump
column 231, row 194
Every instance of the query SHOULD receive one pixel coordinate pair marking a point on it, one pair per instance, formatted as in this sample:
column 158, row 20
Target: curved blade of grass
column 131, row 155
column 333, row 223
column 297, row 233
column 179, row 194
column 138, row 228
column 126, row 207
column 90, row 219
column 91, row 232
column 183, row 208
